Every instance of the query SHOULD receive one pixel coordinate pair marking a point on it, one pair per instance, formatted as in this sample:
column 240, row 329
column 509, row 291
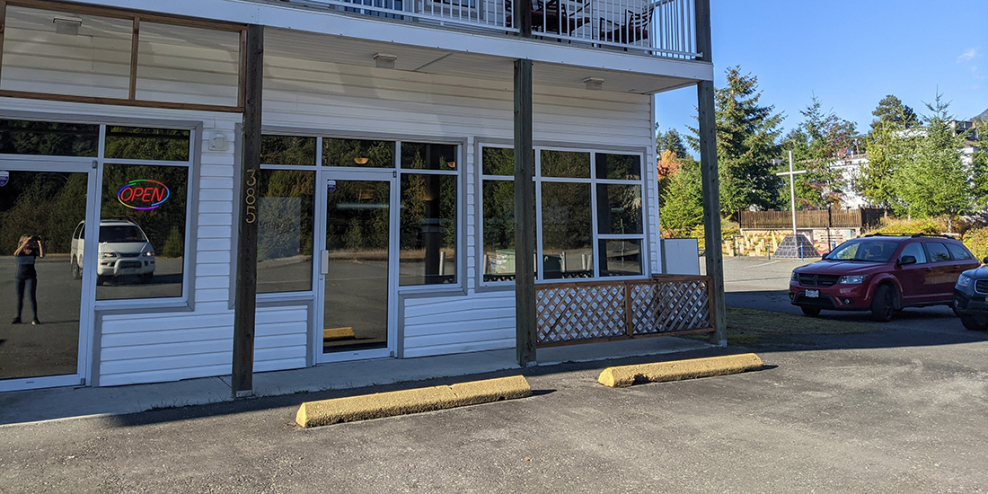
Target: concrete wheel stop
column 678, row 370
column 364, row 407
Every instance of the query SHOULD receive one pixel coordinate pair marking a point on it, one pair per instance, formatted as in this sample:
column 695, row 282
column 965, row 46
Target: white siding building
column 384, row 204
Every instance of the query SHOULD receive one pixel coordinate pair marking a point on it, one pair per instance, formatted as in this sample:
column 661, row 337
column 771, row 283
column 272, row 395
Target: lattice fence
column 610, row 310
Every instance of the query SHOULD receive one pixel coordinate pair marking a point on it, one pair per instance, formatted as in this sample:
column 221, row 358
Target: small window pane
column 182, row 64
column 284, row 231
column 565, row 164
column 288, row 150
column 499, row 230
column 566, row 231
column 147, row 144
column 48, row 138
column 619, row 208
column 620, row 257
column 959, row 253
column 46, row 51
column 428, row 156
column 428, row 230
column 142, row 232
column 618, row 166
column 938, row 252
column 353, row 152
column 916, row 250
column 499, row 161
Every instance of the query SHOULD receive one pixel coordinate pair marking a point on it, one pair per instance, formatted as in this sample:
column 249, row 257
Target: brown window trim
column 136, row 16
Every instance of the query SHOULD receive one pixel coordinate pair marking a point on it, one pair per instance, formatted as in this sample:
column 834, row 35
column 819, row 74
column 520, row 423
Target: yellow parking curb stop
column 624, row 376
column 353, row 408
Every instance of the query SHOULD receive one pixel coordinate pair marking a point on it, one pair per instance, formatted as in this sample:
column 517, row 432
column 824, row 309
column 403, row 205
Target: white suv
column 123, row 250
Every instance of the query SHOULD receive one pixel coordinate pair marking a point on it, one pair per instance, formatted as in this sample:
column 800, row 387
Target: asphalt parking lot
column 900, row 409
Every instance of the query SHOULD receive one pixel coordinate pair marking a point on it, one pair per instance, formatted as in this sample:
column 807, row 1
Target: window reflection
column 618, row 166
column 288, row 150
column 284, row 231
column 565, row 164
column 428, row 156
column 147, row 144
column 620, row 257
column 48, row 138
column 358, row 153
column 619, row 209
column 142, row 232
column 567, row 230
column 428, row 229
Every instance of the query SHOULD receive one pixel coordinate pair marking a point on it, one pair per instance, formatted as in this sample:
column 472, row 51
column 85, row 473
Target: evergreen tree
column 682, row 200
column 889, row 143
column 746, row 145
column 819, row 140
column 934, row 182
column 670, row 141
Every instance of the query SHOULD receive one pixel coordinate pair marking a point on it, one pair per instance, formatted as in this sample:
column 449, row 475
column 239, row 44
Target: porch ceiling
column 350, row 51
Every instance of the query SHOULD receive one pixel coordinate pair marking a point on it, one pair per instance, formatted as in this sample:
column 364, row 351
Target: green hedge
column 976, row 239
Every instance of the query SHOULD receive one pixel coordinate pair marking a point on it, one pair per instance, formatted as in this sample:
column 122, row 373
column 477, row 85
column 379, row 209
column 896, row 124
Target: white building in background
column 385, row 197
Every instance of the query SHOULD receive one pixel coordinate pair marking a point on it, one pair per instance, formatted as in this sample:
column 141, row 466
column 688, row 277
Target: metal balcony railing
column 664, row 28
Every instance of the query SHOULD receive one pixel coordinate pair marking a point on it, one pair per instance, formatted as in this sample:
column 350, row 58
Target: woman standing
column 28, row 250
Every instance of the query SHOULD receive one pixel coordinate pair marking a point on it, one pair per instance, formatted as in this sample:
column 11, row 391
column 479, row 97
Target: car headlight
column 794, row 277
column 149, row 253
column 856, row 279
column 963, row 281
column 109, row 254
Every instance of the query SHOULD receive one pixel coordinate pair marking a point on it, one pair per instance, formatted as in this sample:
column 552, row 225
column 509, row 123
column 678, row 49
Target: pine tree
column 889, row 143
column 934, row 182
column 746, row 144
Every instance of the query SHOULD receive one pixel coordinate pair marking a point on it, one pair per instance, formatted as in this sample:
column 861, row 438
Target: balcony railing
column 662, row 28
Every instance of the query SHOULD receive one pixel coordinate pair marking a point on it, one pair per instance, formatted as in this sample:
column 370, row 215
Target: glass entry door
column 356, row 268
column 42, row 266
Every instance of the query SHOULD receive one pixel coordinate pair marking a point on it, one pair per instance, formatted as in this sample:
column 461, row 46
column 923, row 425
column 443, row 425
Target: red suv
column 882, row 274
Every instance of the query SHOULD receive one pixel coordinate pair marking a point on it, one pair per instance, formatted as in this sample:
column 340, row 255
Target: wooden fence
column 592, row 311
column 825, row 218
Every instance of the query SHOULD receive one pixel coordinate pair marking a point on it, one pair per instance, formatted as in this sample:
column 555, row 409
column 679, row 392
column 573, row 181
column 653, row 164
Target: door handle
column 324, row 262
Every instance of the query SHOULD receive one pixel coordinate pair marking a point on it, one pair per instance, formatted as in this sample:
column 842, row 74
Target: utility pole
column 792, row 193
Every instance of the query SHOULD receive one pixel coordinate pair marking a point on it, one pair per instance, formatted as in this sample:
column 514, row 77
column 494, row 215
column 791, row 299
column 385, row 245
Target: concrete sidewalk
column 20, row 407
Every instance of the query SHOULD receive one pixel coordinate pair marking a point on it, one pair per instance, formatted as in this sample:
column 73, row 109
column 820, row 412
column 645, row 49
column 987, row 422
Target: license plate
column 812, row 293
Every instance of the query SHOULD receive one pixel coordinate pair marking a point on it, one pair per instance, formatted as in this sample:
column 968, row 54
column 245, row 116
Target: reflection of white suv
column 123, row 250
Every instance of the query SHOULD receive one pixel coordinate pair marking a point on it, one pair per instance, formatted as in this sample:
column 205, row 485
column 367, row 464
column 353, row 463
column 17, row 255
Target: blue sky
column 850, row 54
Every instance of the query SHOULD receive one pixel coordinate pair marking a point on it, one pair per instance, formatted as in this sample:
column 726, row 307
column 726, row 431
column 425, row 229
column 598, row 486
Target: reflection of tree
column 48, row 138
column 277, row 235
column 49, row 205
column 618, row 166
column 565, row 164
column 159, row 224
column 499, row 161
column 619, row 208
column 352, row 152
column 288, row 150
column 428, row 218
column 358, row 216
column 428, row 156
column 147, row 144
column 566, row 222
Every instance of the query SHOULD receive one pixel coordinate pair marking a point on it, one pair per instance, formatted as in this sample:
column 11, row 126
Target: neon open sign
column 143, row 194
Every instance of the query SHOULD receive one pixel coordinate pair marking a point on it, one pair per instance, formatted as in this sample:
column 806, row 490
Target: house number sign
column 250, row 197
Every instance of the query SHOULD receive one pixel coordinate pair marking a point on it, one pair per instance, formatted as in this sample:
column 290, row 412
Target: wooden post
column 525, row 322
column 711, row 181
column 242, row 381
column 523, row 16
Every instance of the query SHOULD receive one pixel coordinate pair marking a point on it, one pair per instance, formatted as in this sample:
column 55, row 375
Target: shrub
column 976, row 239
column 908, row 227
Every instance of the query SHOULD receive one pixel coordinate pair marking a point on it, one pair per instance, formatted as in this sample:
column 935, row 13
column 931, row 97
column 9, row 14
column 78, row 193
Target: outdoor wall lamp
column 67, row 25
column 385, row 60
column 594, row 83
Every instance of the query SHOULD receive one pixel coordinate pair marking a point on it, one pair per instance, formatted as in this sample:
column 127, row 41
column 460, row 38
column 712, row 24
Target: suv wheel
column 883, row 304
column 975, row 323
column 76, row 270
column 810, row 311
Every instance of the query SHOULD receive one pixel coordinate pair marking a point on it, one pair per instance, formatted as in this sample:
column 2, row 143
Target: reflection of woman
column 28, row 249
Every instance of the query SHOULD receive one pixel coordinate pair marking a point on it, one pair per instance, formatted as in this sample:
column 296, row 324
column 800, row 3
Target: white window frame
column 596, row 237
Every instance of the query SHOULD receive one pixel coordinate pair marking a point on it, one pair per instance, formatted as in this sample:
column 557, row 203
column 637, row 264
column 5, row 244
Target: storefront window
column 288, row 150
column 48, row 138
column 285, row 209
column 142, row 231
column 134, row 143
column 428, row 229
column 358, row 153
column 570, row 247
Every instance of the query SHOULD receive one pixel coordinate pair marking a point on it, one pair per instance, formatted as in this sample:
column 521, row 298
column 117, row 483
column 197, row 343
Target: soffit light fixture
column 594, row 83
column 385, row 60
column 67, row 25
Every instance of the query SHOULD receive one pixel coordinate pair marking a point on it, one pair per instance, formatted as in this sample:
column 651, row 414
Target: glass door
column 356, row 268
column 42, row 265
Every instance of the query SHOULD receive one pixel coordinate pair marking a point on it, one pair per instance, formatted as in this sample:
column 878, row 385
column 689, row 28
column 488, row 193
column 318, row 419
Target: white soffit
column 348, row 51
